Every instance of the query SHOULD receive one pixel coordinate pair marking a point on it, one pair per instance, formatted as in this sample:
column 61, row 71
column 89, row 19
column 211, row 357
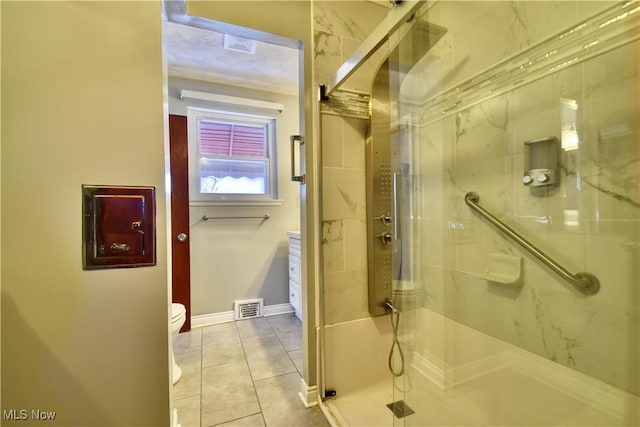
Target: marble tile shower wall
column 339, row 28
column 590, row 222
column 344, row 227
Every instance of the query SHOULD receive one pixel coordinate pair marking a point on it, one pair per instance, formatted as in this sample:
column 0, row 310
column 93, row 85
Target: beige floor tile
column 189, row 383
column 261, row 344
column 187, row 341
column 251, row 421
column 224, row 364
column 291, row 340
column 188, row 411
column 189, row 358
column 229, row 403
column 266, row 358
column 217, row 333
column 288, row 329
column 296, row 356
column 284, row 322
column 281, row 405
column 254, row 328
column 227, row 393
column 222, row 352
column 216, row 376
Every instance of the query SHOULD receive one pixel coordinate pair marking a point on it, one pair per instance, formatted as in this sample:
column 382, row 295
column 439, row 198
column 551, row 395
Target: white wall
column 81, row 104
column 242, row 259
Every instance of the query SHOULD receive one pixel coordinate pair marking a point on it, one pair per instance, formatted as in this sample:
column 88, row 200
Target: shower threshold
column 364, row 406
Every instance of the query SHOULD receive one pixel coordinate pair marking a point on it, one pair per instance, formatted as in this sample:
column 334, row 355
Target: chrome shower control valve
column 385, row 219
column 543, row 177
column 386, row 237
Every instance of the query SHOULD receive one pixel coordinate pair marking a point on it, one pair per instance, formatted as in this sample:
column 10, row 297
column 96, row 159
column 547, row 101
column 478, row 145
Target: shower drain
column 400, row 409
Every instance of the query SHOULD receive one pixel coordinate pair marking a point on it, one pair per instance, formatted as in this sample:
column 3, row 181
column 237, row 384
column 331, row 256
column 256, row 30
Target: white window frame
column 194, row 116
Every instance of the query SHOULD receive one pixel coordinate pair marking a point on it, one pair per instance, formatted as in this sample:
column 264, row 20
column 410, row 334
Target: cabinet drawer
column 294, row 246
column 294, row 295
column 294, row 268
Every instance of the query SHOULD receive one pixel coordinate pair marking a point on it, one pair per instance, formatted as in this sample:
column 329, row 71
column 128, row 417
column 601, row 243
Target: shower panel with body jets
column 387, row 179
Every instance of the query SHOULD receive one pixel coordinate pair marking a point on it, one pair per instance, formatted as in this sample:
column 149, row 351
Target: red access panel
column 119, row 227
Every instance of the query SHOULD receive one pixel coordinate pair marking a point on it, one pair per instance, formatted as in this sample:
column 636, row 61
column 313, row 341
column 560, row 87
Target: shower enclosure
column 509, row 245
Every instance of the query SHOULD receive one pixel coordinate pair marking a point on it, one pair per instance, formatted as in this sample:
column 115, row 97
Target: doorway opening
column 223, row 248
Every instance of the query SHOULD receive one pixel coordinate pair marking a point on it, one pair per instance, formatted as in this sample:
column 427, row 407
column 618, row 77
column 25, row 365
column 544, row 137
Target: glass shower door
column 490, row 333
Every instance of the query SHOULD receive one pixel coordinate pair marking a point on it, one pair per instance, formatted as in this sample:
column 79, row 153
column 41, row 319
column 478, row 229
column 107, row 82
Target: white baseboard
column 275, row 309
column 308, row 395
column 211, row 319
column 227, row 316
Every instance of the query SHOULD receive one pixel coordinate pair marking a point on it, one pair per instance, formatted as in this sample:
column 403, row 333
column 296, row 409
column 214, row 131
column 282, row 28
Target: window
column 231, row 156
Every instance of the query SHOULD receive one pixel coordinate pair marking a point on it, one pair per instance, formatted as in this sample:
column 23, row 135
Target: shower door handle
column 396, row 189
column 300, row 140
column 397, row 243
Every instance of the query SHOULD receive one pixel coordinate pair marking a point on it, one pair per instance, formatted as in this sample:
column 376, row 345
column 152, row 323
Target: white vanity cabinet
column 295, row 273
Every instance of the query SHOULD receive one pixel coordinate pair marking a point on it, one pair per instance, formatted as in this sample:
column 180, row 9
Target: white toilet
column 178, row 316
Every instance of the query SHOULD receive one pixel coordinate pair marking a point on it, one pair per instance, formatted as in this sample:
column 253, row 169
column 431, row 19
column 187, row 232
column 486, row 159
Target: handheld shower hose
column 396, row 342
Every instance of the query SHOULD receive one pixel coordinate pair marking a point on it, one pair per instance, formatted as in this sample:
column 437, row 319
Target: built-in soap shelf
column 503, row 269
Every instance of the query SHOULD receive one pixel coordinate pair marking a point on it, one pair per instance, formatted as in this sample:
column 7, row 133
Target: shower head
column 422, row 37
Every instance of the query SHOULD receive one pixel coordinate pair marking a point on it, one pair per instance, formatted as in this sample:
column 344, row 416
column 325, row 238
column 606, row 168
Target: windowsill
column 273, row 202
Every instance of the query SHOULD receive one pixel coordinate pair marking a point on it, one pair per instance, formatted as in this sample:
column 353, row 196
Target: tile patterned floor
column 243, row 373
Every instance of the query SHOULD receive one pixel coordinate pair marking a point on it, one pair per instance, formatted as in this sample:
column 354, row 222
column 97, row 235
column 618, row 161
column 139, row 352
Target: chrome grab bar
column 586, row 283
column 262, row 217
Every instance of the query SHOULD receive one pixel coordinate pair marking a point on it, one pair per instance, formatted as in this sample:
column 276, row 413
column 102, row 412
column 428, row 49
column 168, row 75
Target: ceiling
column 200, row 54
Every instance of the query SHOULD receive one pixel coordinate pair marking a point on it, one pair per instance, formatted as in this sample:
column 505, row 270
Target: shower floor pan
column 487, row 382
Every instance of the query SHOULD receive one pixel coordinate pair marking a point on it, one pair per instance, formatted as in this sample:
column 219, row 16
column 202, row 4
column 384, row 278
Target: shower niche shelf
column 503, row 269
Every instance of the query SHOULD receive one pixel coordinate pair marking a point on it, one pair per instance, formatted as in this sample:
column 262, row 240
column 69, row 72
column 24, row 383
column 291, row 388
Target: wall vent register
column 248, row 309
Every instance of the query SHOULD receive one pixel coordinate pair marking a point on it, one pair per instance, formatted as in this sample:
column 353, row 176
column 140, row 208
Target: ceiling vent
column 248, row 309
column 239, row 44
